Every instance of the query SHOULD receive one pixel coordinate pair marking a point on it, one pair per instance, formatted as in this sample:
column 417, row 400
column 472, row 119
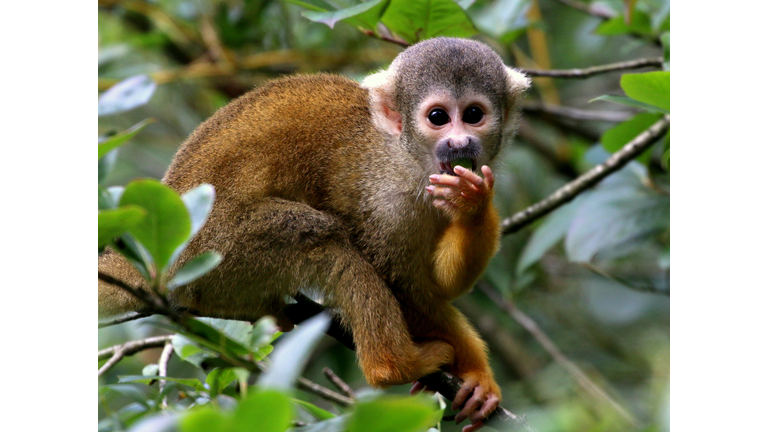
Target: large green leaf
column 292, row 353
column 205, row 419
column 194, row 268
column 616, row 137
column 548, row 234
column 166, row 224
column 263, row 411
column 416, row 20
column 126, row 95
column 622, row 209
column 649, row 87
column 199, row 203
column 114, row 222
column 117, row 140
column 314, row 410
column 641, row 23
column 402, row 414
column 355, row 15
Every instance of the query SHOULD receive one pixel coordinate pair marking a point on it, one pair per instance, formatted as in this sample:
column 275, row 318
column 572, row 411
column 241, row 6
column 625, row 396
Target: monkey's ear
column 517, row 84
column 381, row 95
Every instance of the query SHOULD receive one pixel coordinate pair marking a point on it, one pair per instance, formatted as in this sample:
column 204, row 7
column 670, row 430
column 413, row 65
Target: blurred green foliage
column 593, row 276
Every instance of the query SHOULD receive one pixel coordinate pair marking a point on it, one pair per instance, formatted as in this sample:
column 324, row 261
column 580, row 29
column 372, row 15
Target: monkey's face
column 458, row 131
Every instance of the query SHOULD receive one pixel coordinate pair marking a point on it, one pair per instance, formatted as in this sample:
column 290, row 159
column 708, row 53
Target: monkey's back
column 285, row 139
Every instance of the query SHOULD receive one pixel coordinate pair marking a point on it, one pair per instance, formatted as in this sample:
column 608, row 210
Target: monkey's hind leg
column 114, row 301
column 292, row 245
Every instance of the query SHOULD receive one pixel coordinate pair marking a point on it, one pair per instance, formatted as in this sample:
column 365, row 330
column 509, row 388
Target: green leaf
column 402, row 414
column 199, row 203
column 151, row 370
column 629, row 212
column 166, row 224
column 107, row 164
column 194, row 268
column 160, row 422
column 117, row 140
column 292, row 353
column 664, row 38
column 263, row 411
column 126, row 95
column 505, row 20
column 629, row 102
column 330, row 18
column 129, row 391
column 113, row 223
column 547, row 235
column 219, row 378
column 314, row 410
column 263, row 332
column 641, row 23
column 205, row 419
column 616, row 137
column 145, row 379
column 416, row 20
column 649, row 87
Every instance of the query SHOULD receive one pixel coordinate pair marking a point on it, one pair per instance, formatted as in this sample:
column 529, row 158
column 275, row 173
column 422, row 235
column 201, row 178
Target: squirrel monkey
column 367, row 193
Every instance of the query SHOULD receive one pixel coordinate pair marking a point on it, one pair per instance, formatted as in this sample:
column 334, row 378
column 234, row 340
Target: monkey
column 376, row 195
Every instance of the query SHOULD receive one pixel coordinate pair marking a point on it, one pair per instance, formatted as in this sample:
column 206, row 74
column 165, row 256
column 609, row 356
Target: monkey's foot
column 479, row 398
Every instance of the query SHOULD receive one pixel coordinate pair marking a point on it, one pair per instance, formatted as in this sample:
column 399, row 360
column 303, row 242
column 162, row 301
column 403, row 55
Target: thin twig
column 130, row 348
column 116, row 357
column 657, row 62
column 529, row 324
column 568, row 192
column 146, row 297
column 578, row 114
column 386, row 38
column 162, row 364
column 129, row 317
column 339, row 383
column 324, row 392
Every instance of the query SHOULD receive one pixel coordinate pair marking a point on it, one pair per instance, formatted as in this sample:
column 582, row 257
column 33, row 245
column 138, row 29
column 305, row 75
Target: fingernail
column 459, row 169
column 430, row 189
column 434, row 177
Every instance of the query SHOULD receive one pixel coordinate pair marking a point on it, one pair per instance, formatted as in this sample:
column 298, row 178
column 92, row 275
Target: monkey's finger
column 469, row 176
column 475, row 402
column 454, row 181
column 443, row 192
column 489, row 177
column 491, row 402
column 466, row 389
column 473, row 427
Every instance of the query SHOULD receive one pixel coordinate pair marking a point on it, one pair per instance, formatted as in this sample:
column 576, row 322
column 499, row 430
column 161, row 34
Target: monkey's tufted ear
column 381, row 95
column 517, row 84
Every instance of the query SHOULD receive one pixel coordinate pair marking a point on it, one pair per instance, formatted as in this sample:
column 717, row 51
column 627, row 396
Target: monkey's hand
column 464, row 196
column 480, row 395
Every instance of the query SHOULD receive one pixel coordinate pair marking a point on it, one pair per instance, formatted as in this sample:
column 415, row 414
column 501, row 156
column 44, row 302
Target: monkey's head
column 449, row 101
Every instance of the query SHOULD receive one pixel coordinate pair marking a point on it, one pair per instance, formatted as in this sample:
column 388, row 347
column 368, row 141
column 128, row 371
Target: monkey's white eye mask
column 456, row 129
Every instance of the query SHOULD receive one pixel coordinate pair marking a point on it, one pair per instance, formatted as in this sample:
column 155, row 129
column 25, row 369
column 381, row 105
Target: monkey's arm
column 472, row 238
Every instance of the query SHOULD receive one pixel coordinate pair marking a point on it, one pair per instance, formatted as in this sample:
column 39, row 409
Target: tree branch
column 657, row 62
column 442, row 382
column 568, row 192
column 339, row 383
column 324, row 392
column 529, row 324
column 130, row 348
column 125, row 318
column 578, row 114
column 162, row 368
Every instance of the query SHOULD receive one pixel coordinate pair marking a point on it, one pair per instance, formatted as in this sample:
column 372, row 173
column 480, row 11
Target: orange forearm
column 464, row 250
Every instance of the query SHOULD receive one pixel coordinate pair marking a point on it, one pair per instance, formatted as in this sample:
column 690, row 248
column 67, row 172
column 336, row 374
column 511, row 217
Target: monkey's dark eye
column 438, row 117
column 472, row 115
